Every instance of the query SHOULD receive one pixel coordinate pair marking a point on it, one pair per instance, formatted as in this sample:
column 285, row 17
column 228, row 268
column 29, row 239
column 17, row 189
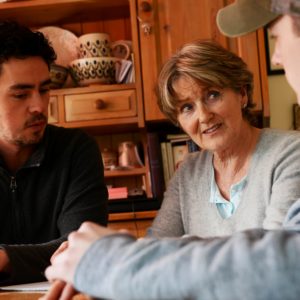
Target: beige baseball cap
column 245, row 16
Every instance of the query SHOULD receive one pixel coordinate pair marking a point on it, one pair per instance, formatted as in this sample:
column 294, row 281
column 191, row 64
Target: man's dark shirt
column 59, row 187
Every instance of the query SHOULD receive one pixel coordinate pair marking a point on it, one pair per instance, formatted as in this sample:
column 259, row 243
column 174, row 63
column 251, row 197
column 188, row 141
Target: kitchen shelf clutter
column 104, row 110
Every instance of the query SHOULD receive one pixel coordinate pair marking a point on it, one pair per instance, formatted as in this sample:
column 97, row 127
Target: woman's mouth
column 212, row 129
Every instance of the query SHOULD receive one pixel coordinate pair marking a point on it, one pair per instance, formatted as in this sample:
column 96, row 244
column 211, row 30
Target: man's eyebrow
column 24, row 86
column 21, row 86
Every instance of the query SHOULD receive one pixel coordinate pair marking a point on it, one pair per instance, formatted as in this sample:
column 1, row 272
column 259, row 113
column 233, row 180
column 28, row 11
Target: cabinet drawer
column 97, row 106
column 53, row 110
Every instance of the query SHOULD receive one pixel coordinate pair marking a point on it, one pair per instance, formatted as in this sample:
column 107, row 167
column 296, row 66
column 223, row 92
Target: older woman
column 244, row 177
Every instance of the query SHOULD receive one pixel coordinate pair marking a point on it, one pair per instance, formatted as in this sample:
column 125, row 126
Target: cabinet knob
column 99, row 104
column 145, row 6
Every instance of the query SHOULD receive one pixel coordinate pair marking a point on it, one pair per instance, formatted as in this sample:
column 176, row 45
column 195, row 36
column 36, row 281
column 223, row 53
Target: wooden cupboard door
column 181, row 21
column 251, row 48
column 164, row 26
column 247, row 48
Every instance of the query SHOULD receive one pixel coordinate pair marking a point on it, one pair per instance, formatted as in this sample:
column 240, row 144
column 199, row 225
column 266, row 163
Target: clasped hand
column 66, row 258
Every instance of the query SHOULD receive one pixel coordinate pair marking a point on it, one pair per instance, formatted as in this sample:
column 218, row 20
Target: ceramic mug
column 94, row 45
column 122, row 49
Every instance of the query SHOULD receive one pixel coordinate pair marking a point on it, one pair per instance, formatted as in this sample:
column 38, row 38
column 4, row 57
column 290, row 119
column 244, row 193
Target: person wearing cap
column 254, row 264
column 281, row 17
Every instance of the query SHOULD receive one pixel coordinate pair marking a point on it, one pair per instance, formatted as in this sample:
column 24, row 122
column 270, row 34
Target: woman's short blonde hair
column 209, row 64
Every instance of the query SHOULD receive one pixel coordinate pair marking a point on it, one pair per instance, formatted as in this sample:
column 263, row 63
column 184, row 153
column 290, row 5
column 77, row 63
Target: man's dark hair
column 18, row 41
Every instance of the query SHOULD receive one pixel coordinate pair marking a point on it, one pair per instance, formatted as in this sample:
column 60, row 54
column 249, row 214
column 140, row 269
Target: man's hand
column 64, row 264
column 66, row 258
column 59, row 290
column 4, row 261
column 63, row 246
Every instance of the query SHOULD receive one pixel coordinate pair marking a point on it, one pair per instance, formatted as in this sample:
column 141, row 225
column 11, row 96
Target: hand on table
column 4, row 261
column 59, row 289
column 66, row 258
column 63, row 246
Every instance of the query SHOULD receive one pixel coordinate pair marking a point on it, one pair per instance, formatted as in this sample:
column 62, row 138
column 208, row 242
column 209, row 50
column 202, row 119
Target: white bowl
column 93, row 70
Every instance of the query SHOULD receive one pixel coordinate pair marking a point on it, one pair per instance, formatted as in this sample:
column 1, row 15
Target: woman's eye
column 213, row 96
column 185, row 108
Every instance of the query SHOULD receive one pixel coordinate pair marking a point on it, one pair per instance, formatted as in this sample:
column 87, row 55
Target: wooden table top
column 20, row 295
column 32, row 296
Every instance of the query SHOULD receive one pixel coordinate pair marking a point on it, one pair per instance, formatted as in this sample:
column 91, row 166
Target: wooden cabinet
column 97, row 106
column 109, row 112
column 136, row 223
column 165, row 25
column 100, row 106
column 112, row 113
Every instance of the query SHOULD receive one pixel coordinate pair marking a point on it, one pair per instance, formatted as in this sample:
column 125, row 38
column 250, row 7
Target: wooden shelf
column 132, row 215
column 46, row 12
column 125, row 173
column 93, row 88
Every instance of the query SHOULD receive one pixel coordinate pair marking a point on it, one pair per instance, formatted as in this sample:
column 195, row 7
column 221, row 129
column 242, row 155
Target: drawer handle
column 99, row 104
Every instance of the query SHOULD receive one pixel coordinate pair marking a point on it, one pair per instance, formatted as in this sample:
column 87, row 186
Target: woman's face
column 212, row 117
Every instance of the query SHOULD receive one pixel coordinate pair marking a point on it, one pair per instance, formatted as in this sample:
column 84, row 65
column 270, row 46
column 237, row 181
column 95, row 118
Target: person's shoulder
column 280, row 133
column 280, row 136
column 275, row 144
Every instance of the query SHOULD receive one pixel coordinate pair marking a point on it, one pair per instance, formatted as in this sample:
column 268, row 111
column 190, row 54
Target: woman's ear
column 244, row 101
column 243, row 91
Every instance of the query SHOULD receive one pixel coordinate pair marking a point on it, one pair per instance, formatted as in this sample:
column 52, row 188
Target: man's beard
column 36, row 137
column 29, row 141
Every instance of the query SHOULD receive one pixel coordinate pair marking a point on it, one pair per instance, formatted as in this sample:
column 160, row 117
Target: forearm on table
column 28, row 262
column 117, row 267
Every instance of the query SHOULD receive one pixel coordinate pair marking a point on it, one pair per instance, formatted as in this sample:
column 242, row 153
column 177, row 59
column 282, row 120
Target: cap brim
column 243, row 17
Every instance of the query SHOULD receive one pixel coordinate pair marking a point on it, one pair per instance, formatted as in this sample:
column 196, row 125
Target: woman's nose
column 204, row 113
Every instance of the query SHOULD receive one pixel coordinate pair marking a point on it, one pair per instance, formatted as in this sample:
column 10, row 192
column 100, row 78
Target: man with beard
column 51, row 178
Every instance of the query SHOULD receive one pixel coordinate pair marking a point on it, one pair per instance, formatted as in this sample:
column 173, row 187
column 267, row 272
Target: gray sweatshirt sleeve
column 254, row 264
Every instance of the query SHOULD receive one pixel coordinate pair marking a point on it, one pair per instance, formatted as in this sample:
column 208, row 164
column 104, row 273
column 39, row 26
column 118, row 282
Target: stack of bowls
column 96, row 65
column 58, row 76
